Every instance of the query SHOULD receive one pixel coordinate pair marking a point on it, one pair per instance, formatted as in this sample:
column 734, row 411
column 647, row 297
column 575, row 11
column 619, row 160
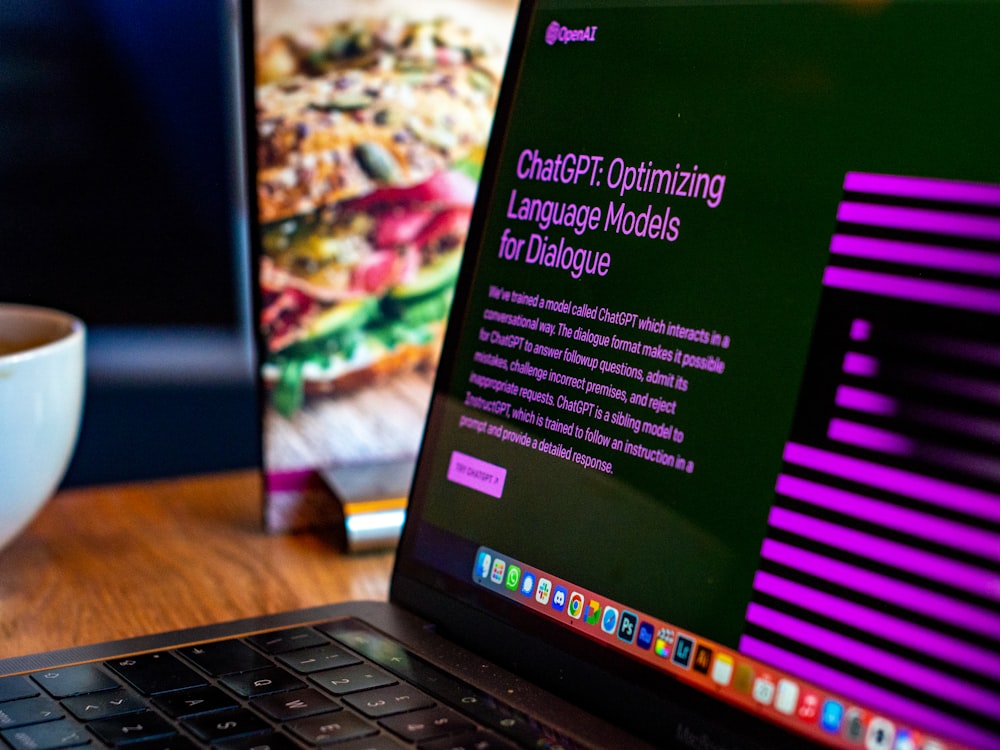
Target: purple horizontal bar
column 872, row 438
column 940, row 293
column 930, row 681
column 980, row 389
column 973, row 502
column 914, row 254
column 974, row 351
column 860, row 365
column 920, row 220
column 967, row 462
column 869, row 402
column 965, row 424
column 914, row 598
column 977, row 193
column 942, row 531
column 917, row 637
column 923, row 717
column 934, row 567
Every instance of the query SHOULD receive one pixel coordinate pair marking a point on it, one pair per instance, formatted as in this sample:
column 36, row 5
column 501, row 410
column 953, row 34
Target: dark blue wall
column 117, row 174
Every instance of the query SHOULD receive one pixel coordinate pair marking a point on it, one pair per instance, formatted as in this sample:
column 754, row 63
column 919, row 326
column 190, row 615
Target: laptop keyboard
column 341, row 683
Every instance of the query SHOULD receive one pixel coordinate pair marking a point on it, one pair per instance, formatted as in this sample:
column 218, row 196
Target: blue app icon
column 831, row 716
column 483, row 564
column 527, row 584
column 559, row 597
column 645, row 637
column 609, row 620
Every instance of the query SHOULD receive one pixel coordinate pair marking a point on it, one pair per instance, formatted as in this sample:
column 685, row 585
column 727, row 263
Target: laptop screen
column 720, row 389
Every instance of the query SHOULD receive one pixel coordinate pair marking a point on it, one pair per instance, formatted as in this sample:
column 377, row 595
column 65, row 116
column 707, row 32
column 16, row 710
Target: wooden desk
column 125, row 560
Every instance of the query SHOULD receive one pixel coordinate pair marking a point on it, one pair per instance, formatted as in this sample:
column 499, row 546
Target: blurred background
column 121, row 184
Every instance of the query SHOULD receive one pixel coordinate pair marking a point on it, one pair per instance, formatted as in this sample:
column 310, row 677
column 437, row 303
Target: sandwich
column 370, row 137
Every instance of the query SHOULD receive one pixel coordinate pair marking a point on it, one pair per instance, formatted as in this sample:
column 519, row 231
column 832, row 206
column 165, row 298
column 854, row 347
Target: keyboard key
column 283, row 641
column 193, row 701
column 15, row 688
column 429, row 724
column 365, row 641
column 390, row 700
column 156, row 673
column 225, row 657
column 78, row 680
column 49, row 736
column 295, row 705
column 394, row 657
column 223, row 725
column 262, row 682
column 319, row 658
column 352, row 679
column 104, row 705
column 328, row 728
column 29, row 711
column 120, row 730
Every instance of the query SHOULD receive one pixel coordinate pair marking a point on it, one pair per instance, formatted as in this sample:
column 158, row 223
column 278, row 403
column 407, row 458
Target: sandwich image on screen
column 371, row 126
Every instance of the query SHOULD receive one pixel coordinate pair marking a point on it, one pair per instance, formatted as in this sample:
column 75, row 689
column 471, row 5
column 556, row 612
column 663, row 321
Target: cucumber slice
column 430, row 278
column 346, row 315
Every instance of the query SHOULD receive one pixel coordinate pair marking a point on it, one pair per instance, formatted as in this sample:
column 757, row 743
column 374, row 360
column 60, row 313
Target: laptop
column 711, row 459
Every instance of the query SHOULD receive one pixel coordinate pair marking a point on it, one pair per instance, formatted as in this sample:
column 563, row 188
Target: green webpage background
column 781, row 99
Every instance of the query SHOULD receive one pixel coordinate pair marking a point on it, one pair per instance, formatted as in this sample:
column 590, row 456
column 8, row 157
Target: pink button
column 476, row 474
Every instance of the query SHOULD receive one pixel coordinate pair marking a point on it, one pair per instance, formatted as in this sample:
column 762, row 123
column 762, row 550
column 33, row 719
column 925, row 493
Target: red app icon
column 809, row 707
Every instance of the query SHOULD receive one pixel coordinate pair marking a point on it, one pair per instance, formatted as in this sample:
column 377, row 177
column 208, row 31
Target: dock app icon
column 609, row 622
column 543, row 591
column 499, row 568
column 575, row 608
column 559, row 597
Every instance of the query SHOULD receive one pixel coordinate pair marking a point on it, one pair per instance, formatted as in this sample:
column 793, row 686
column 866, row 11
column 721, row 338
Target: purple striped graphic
column 921, row 639
column 967, row 500
column 872, row 438
column 926, row 564
column 940, row 293
column 869, row 402
column 940, row 530
column 926, row 718
column 930, row 681
column 915, row 254
column 920, row 220
column 860, row 365
column 977, row 193
column 938, row 606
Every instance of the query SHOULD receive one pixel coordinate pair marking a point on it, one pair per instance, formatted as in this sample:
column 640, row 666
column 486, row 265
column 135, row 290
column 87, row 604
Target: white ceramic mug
column 42, row 378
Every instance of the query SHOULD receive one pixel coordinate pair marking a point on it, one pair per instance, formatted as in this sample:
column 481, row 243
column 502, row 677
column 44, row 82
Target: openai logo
column 552, row 33
column 556, row 33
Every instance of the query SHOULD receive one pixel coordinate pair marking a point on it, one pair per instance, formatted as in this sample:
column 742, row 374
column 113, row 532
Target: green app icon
column 513, row 576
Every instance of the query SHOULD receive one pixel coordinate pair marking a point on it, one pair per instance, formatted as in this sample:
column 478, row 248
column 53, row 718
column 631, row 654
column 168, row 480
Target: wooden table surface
column 102, row 563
